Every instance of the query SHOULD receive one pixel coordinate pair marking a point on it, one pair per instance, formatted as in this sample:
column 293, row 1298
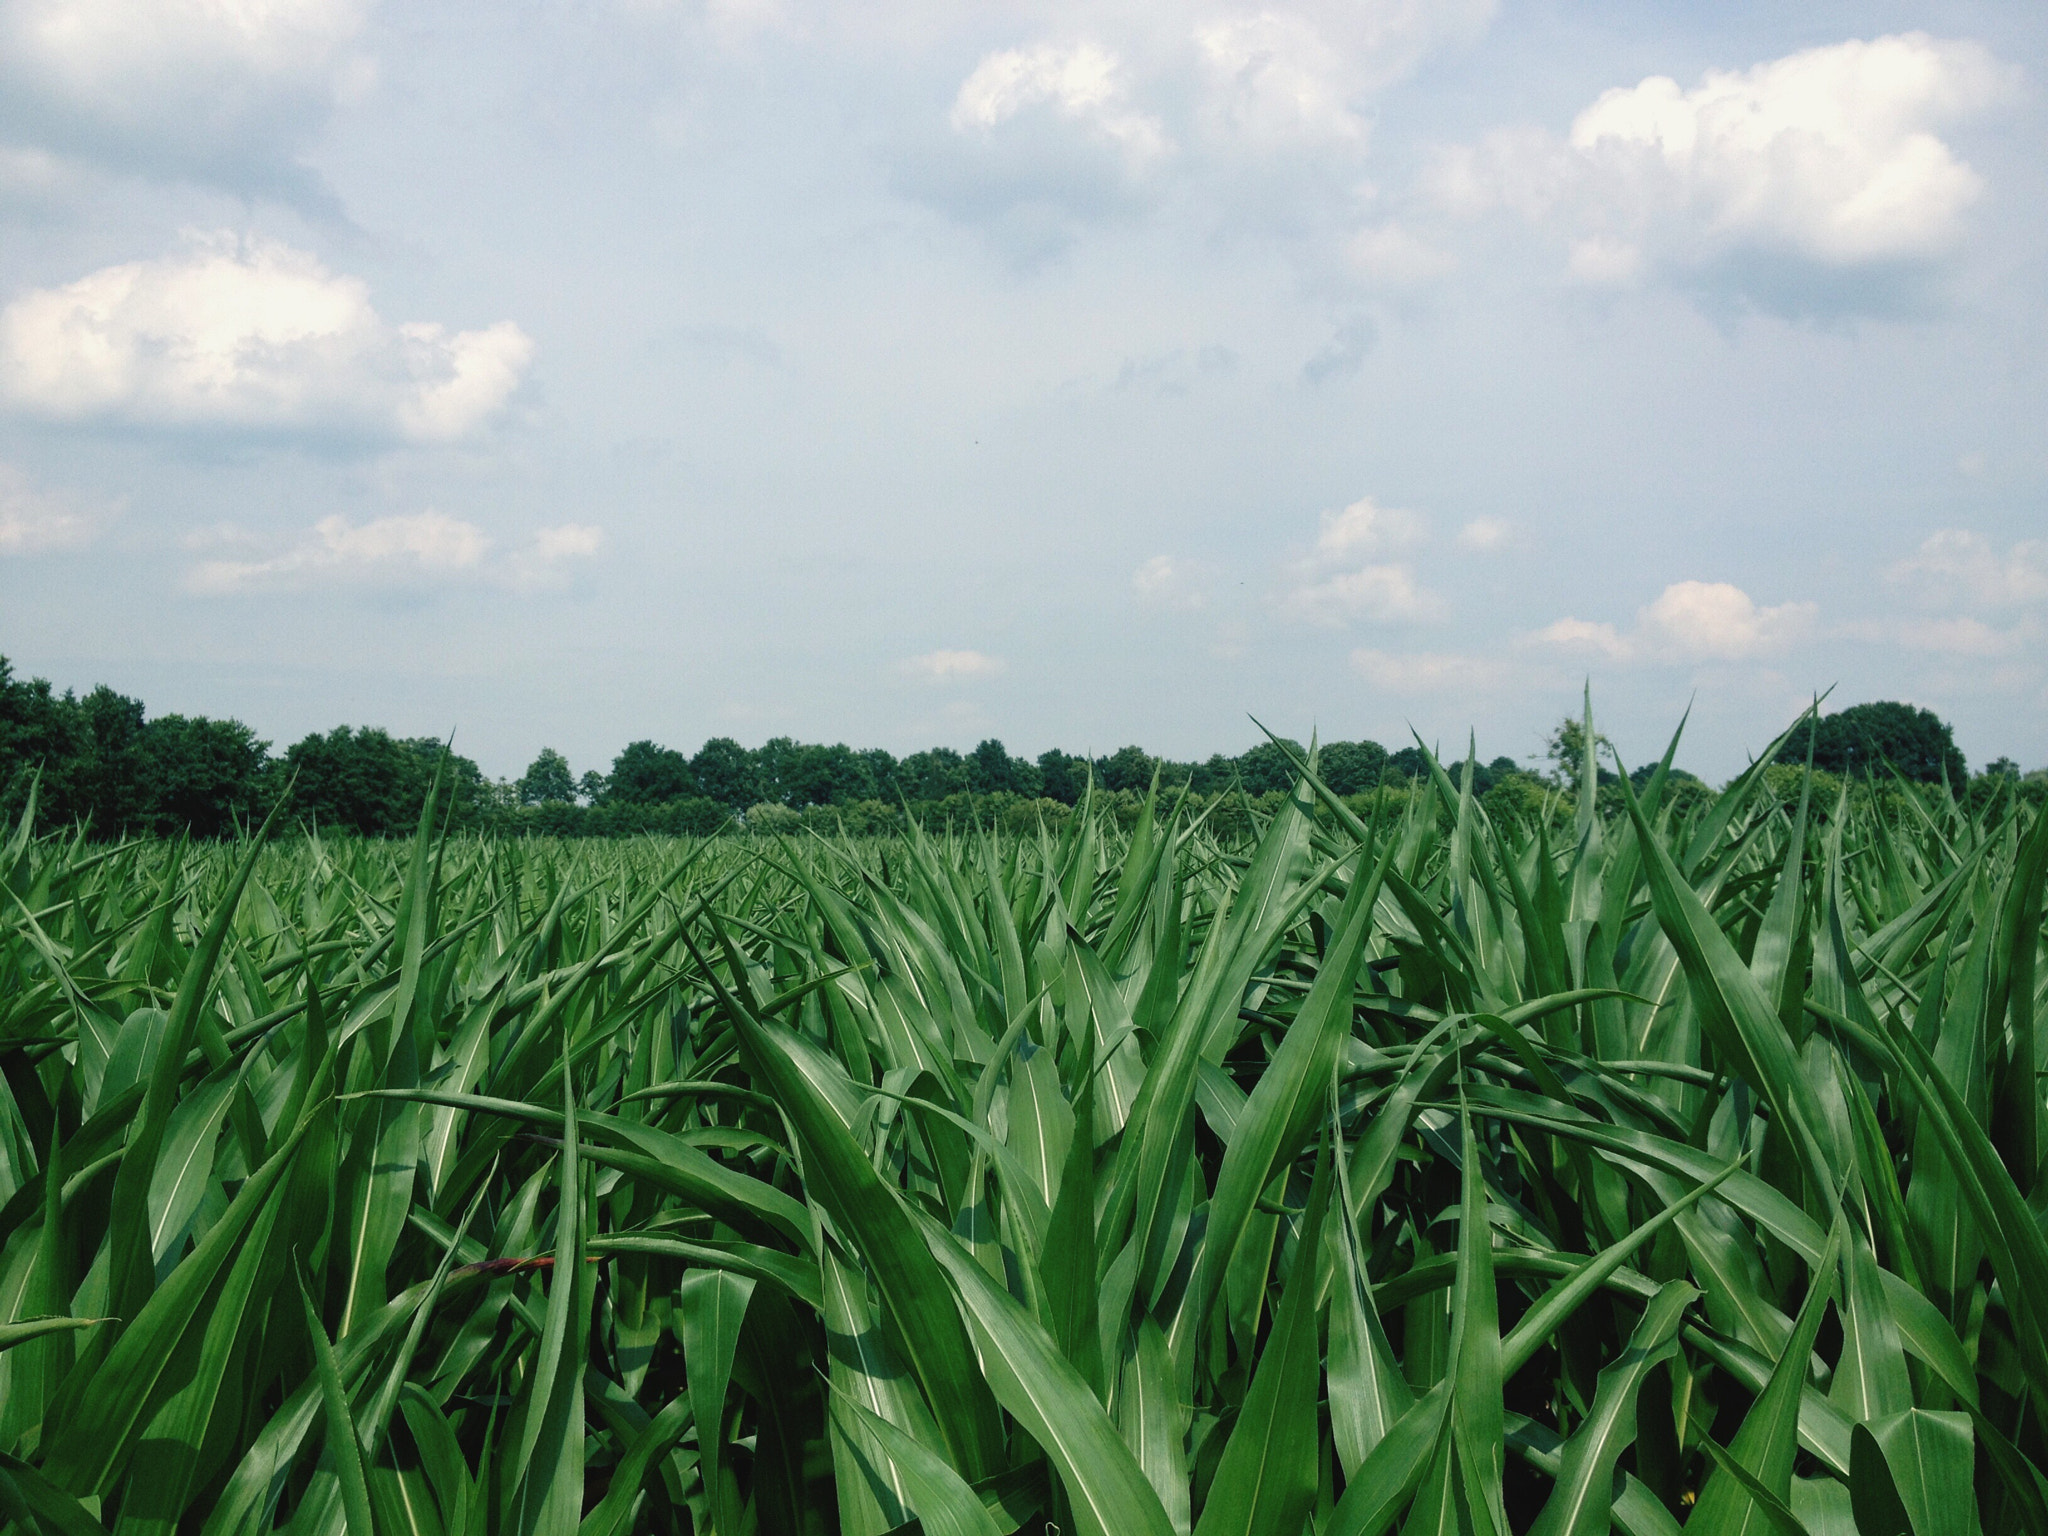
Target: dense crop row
column 1678, row 1166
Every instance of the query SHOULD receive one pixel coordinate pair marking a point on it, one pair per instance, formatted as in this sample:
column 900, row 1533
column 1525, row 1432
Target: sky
column 905, row 374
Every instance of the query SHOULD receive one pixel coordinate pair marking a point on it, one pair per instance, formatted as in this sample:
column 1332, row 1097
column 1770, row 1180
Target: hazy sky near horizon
column 569, row 373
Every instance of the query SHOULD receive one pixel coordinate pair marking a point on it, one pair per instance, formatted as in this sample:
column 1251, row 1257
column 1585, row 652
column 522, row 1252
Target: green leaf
column 1476, row 1363
column 866, row 1211
column 343, row 1452
column 1581, row 1502
column 945, row 1505
column 1756, row 1471
column 1265, row 1484
column 1149, row 1413
column 1030, row 1377
column 1924, row 1471
column 711, row 1305
column 545, row 1473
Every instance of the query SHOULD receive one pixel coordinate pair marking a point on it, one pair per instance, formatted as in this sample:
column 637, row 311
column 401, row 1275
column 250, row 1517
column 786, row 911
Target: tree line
column 99, row 760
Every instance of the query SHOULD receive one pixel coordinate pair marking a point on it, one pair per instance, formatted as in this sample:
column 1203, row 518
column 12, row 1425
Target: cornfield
column 1669, row 1168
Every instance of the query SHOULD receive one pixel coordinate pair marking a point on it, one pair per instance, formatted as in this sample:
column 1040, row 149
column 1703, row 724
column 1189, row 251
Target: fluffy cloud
column 1367, row 528
column 1719, row 622
column 1277, row 74
column 1084, row 83
column 1955, row 567
column 1274, row 79
column 946, row 666
column 33, row 521
column 1385, row 594
column 1346, row 576
column 1226, row 98
column 248, row 335
column 427, row 548
column 1828, row 157
column 1689, row 621
column 1586, row 636
column 224, row 90
column 1977, row 600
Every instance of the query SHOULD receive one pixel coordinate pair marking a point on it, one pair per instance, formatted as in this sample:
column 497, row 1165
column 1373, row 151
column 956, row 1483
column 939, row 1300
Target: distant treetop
column 1865, row 739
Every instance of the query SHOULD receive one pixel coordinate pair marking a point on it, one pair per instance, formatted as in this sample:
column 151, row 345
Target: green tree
column 105, row 782
column 878, row 767
column 547, row 780
column 993, row 771
column 202, row 777
column 1565, row 750
column 724, row 771
column 649, row 774
column 820, row 775
column 933, row 775
column 1127, row 768
column 1062, row 777
column 1352, row 767
column 365, row 781
column 1408, row 763
column 1864, row 738
column 38, row 735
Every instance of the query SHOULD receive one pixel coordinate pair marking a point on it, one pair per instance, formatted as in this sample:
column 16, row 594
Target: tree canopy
column 101, row 761
column 1865, row 739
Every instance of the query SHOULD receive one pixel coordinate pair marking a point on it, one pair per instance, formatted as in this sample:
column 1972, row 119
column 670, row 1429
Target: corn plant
column 1649, row 1169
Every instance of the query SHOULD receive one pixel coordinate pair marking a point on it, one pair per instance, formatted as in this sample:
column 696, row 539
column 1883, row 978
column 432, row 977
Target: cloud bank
column 225, row 91
column 424, row 549
column 1829, row 158
column 1690, row 621
column 248, row 335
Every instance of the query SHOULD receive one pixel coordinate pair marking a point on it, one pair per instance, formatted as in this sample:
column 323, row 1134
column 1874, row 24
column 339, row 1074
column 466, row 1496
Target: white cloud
column 33, row 521
column 1585, row 635
column 221, row 89
column 942, row 666
column 1689, row 621
column 1367, row 528
column 1829, row 156
column 423, row 548
column 1960, row 568
column 248, row 334
column 1431, row 671
column 1275, row 80
column 1341, row 581
column 1083, row 82
column 1717, row 621
column 1166, row 581
column 1385, row 594
column 1485, row 535
column 1300, row 70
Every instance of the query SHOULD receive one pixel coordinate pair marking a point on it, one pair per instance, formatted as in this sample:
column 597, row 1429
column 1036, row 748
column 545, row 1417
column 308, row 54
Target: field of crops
column 1675, row 1168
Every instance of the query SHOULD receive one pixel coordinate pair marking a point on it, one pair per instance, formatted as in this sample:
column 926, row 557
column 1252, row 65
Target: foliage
column 371, row 783
column 548, row 780
column 647, row 774
column 101, row 762
column 96, row 760
column 1427, row 1169
column 1864, row 739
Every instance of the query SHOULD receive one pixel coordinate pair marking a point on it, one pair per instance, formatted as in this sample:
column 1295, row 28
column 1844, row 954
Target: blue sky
column 1077, row 374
